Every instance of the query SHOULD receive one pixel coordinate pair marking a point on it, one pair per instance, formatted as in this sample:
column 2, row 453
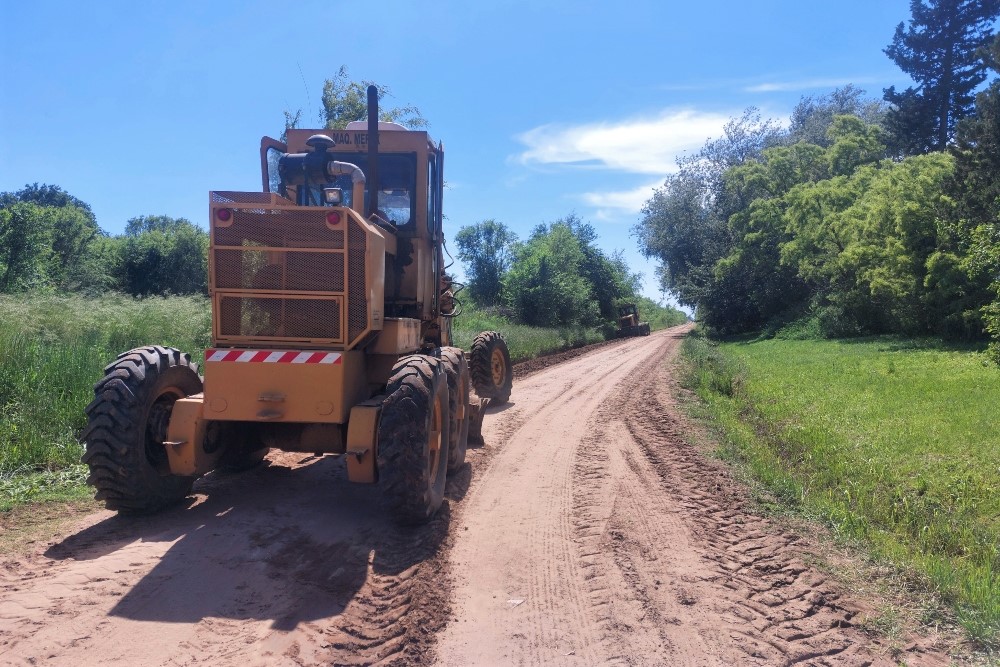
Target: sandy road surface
column 586, row 532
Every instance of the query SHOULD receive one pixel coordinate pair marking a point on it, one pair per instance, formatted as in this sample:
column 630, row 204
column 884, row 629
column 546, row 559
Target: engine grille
column 281, row 273
column 279, row 317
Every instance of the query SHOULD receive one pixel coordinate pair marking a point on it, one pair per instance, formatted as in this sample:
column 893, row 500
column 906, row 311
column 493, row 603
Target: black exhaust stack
column 372, row 204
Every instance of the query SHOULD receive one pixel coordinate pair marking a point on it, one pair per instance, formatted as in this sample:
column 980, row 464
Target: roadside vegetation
column 891, row 442
column 524, row 341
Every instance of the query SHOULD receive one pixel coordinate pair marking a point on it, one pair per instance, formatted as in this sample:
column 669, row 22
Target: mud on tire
column 457, row 371
column 413, row 439
column 489, row 363
column 127, row 423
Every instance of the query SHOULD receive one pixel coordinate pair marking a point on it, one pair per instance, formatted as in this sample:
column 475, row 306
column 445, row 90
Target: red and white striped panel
column 273, row 356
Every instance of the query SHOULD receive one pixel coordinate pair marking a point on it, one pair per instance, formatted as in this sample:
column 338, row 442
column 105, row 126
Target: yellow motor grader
column 331, row 334
column 628, row 322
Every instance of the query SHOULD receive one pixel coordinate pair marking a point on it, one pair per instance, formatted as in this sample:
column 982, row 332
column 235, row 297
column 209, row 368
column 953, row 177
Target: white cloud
column 611, row 205
column 642, row 145
column 804, row 84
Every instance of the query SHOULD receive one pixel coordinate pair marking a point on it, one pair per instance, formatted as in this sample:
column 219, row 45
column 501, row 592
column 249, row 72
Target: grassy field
column 893, row 443
column 52, row 351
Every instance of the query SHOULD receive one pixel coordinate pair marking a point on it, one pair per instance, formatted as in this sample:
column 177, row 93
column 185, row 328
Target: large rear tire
column 127, row 424
column 413, row 439
column 489, row 363
column 456, row 369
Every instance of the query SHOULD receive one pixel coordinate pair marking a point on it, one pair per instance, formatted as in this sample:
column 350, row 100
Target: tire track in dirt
column 761, row 600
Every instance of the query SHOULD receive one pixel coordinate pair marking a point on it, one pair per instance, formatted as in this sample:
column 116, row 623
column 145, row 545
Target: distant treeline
column 863, row 216
column 558, row 277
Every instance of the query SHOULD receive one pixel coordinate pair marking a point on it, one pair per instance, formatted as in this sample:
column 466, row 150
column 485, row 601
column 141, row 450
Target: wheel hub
column 498, row 367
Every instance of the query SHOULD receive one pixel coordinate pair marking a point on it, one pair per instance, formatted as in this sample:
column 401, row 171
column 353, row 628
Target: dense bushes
column 50, row 240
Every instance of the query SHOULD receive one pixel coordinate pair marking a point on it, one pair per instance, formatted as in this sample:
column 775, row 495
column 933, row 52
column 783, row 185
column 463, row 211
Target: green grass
column 52, row 351
column 64, row 485
column 525, row 342
column 892, row 443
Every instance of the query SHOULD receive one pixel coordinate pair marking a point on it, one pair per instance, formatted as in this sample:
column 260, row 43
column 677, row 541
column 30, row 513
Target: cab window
column 397, row 178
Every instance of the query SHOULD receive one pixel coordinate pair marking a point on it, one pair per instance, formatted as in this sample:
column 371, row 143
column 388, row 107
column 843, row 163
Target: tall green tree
column 345, row 100
column 72, row 234
column 487, row 249
column 545, row 286
column 610, row 278
column 47, row 195
column 70, row 227
column 813, row 116
column 684, row 224
column 976, row 191
column 942, row 50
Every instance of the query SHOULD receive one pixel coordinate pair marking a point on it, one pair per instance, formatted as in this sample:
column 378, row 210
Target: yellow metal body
column 418, row 281
column 400, row 335
column 186, row 438
column 285, row 275
column 285, row 392
column 362, row 441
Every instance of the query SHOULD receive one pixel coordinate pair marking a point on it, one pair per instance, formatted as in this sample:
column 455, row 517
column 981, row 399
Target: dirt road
column 587, row 531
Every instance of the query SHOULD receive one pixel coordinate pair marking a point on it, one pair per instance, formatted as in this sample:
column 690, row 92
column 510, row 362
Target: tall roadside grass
column 525, row 342
column 52, row 351
column 891, row 442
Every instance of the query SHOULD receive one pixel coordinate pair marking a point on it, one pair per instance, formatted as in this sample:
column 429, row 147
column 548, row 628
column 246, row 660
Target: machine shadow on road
column 497, row 409
column 292, row 542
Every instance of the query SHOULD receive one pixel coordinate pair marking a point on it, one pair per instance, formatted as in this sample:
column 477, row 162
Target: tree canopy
column 163, row 255
column 487, row 249
column 836, row 231
column 942, row 50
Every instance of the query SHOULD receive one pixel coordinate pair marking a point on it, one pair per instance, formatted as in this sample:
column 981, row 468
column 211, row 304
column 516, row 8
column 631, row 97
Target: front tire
column 489, row 362
column 127, row 424
column 413, row 438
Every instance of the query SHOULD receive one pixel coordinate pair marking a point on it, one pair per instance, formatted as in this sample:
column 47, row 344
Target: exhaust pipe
column 372, row 204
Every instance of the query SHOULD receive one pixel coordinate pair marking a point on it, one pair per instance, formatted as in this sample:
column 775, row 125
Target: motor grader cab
column 331, row 334
column 628, row 321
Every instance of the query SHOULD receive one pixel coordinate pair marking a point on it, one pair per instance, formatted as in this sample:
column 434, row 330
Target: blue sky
column 544, row 108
